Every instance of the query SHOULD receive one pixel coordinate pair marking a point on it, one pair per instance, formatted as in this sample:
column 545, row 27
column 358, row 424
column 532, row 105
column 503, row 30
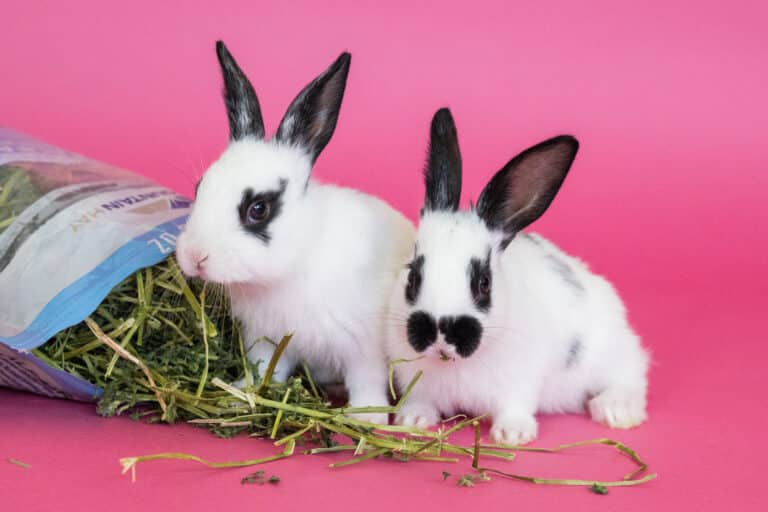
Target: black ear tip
column 442, row 122
column 443, row 115
column 222, row 52
column 567, row 143
column 341, row 63
column 571, row 142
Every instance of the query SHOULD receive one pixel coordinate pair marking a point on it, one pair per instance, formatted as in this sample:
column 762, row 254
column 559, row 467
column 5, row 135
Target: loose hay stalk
column 163, row 350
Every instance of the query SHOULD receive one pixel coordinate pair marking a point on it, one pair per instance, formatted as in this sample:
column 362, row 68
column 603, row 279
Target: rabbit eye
column 414, row 280
column 480, row 282
column 484, row 285
column 258, row 211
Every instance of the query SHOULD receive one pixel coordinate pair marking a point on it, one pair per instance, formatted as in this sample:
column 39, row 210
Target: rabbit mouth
column 442, row 353
column 445, row 356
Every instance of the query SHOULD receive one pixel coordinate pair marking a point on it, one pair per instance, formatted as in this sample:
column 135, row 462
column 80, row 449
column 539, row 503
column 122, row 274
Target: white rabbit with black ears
column 501, row 321
column 295, row 255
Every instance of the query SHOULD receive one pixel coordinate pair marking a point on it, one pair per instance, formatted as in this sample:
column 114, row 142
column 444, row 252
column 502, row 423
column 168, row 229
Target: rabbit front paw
column 417, row 415
column 514, row 429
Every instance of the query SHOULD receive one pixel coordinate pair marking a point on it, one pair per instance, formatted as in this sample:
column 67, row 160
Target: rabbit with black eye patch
column 501, row 321
column 296, row 255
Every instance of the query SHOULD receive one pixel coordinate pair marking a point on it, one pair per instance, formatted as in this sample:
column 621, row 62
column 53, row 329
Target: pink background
column 667, row 198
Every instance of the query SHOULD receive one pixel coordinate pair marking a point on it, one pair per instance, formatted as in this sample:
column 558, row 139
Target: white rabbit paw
column 514, row 430
column 417, row 415
column 618, row 408
column 281, row 374
column 379, row 418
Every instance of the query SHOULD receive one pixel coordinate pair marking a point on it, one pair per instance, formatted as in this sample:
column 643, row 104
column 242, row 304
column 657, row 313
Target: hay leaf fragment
column 259, row 478
column 19, row 463
column 466, row 481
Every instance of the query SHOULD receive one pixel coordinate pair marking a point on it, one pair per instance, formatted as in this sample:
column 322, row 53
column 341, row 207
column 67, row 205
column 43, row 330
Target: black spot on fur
column 480, row 282
column 271, row 200
column 531, row 238
column 422, row 330
column 413, row 286
column 462, row 332
column 574, row 353
column 442, row 173
column 565, row 272
column 242, row 104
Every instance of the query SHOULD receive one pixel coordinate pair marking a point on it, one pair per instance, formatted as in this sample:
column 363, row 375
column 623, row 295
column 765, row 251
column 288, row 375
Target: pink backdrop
column 667, row 197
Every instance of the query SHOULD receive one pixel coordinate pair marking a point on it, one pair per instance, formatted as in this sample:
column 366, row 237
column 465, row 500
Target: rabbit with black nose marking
column 501, row 321
column 296, row 255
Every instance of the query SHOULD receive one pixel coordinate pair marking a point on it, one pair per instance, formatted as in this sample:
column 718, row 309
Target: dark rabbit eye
column 414, row 280
column 484, row 285
column 258, row 211
column 480, row 282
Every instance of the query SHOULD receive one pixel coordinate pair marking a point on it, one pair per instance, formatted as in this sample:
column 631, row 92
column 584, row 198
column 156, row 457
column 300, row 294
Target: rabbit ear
column 311, row 117
column 523, row 190
column 442, row 173
column 242, row 105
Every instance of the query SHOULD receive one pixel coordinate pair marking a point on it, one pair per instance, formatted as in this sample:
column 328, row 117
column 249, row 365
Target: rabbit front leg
column 420, row 409
column 366, row 382
column 513, row 419
column 260, row 354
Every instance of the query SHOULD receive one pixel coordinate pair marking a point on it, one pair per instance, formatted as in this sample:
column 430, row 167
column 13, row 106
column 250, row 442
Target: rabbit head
column 451, row 290
column 250, row 219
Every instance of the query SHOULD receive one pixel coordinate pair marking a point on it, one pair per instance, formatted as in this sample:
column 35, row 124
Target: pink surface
column 667, row 197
